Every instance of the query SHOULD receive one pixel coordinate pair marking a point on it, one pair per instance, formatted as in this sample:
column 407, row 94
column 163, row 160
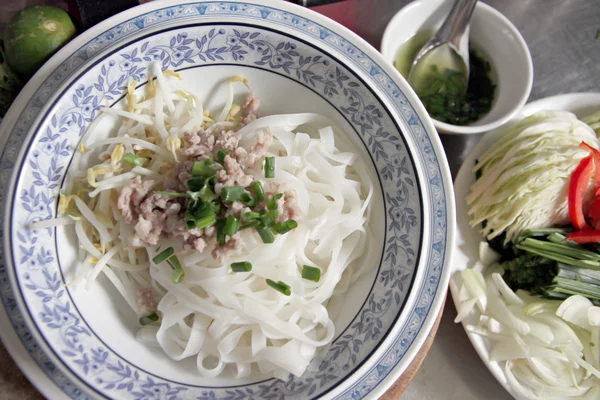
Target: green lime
column 33, row 35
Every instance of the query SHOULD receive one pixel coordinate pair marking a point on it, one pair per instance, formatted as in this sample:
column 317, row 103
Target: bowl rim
column 490, row 12
column 435, row 305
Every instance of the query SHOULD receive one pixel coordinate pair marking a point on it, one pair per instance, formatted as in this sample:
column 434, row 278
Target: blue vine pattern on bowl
column 238, row 45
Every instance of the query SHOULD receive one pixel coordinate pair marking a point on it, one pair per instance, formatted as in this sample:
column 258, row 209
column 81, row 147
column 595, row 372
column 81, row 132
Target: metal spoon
column 447, row 49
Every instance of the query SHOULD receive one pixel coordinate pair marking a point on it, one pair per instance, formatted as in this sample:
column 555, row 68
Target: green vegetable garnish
column 148, row 319
column 178, row 274
column 249, row 225
column 243, row 266
column 265, row 234
column 203, row 169
column 258, row 190
column 549, row 265
column 132, row 159
column 173, row 194
column 280, row 287
column 163, row 255
column 221, row 237
column 232, row 225
column 250, row 216
column 221, row 155
column 205, row 218
column 232, row 193
column 272, row 202
column 269, row 218
column 248, row 200
column 269, row 167
column 311, row 273
column 284, row 227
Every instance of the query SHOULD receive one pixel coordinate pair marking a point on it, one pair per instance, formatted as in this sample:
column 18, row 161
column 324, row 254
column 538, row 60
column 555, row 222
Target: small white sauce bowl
column 493, row 35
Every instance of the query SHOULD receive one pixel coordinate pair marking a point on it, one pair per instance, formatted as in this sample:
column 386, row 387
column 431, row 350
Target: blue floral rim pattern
column 87, row 103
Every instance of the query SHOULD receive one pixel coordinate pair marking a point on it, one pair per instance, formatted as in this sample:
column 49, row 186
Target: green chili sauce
column 445, row 98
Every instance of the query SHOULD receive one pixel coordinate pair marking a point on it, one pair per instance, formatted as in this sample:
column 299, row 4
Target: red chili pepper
column 596, row 154
column 580, row 179
column 583, row 237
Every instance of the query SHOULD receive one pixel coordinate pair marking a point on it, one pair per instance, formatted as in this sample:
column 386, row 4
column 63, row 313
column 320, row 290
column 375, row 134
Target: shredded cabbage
column 524, row 177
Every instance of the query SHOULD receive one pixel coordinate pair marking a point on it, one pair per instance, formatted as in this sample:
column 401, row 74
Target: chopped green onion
column 173, row 194
column 148, row 319
column 232, row 225
column 221, row 231
column 258, row 190
column 206, row 194
column 190, row 221
column 221, row 155
column 243, row 266
column 232, row 193
column 163, row 255
column 269, row 218
column 205, row 218
column 250, row 225
column 132, row 159
column 211, row 181
column 266, row 235
column 282, row 284
column 269, row 167
column 311, row 273
column 202, row 169
column 248, row 200
column 272, row 202
column 250, row 216
column 178, row 274
column 215, row 206
column 277, row 286
column 209, row 161
column 195, row 184
column 284, row 227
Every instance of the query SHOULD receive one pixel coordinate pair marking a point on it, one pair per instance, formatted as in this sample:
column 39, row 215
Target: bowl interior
column 117, row 324
column 91, row 335
column 491, row 34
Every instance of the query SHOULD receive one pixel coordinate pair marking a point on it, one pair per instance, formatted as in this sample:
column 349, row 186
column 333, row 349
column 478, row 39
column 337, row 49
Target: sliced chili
column 578, row 184
column 583, row 237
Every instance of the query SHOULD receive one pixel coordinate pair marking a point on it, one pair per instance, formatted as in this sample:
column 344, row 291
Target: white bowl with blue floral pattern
column 81, row 344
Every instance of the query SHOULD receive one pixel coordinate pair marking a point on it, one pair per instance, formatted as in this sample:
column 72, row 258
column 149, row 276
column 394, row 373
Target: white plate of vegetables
column 526, row 280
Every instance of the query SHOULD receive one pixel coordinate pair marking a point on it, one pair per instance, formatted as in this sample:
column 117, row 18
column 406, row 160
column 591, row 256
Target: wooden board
column 402, row 383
